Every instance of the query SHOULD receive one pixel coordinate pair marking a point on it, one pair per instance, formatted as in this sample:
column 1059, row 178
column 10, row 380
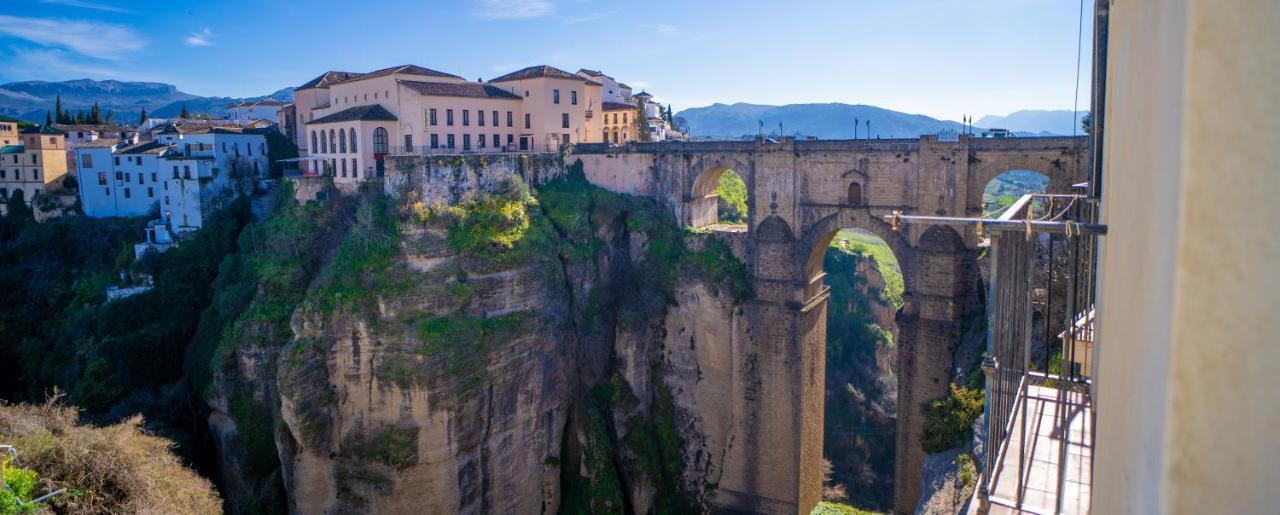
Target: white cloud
column 55, row 64
column 662, row 28
column 93, row 39
column 201, row 38
column 87, row 5
column 515, row 9
column 584, row 18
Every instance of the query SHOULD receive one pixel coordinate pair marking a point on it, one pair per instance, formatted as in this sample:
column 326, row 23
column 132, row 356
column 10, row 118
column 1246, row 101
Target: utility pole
column 855, row 127
column 868, row 128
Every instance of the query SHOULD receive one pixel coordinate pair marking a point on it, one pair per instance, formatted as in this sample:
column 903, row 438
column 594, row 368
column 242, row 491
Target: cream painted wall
column 1188, row 393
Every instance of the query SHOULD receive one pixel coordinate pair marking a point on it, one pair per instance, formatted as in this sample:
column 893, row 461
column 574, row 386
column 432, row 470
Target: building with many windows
column 35, row 162
column 181, row 175
column 348, row 122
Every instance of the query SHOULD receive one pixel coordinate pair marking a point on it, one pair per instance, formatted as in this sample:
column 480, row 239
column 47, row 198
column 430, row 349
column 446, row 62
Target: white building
column 247, row 111
column 80, row 134
column 182, row 176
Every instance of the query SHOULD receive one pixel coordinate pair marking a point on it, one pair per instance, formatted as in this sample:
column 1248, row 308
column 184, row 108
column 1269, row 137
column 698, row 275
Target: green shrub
column 19, row 489
column 948, row 422
column 731, row 206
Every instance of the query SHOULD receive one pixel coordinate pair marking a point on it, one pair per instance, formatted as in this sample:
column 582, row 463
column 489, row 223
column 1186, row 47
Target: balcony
column 1038, row 367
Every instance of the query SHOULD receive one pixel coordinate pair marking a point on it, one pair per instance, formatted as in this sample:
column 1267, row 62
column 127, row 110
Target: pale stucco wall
column 1188, row 396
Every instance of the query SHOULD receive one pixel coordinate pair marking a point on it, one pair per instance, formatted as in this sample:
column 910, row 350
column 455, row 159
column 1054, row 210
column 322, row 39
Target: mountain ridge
column 30, row 100
column 830, row 120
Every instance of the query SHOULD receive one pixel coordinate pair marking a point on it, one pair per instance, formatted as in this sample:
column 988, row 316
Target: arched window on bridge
column 731, row 204
column 855, row 194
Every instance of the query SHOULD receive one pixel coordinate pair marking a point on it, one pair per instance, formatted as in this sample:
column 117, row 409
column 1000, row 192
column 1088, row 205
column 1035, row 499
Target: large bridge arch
column 800, row 194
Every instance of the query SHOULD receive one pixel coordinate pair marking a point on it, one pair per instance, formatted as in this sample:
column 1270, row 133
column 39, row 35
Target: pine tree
column 95, row 114
column 143, row 119
column 184, row 113
column 57, row 108
column 48, row 118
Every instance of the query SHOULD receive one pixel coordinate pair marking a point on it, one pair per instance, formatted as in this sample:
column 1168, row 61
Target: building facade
column 247, row 111
column 36, row 162
column 182, row 176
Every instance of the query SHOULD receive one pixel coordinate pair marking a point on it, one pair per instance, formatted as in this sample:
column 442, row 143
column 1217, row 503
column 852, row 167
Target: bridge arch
column 819, row 236
column 702, row 199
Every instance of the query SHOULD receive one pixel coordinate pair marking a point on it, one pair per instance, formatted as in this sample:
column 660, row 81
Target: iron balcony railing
column 1041, row 254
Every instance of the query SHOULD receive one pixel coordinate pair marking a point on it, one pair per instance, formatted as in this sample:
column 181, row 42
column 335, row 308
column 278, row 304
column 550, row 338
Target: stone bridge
column 800, row 193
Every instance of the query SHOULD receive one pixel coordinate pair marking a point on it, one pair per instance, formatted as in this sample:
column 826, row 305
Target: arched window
column 380, row 140
column 855, row 194
column 314, row 148
column 352, row 132
column 342, row 141
column 324, row 144
column 333, row 141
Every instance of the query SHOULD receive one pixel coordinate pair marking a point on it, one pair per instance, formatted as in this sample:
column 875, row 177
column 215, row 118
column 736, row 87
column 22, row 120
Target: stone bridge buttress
column 800, row 194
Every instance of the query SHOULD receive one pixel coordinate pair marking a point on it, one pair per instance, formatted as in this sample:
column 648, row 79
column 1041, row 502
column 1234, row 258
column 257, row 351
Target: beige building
column 36, row 162
column 347, row 123
column 619, row 122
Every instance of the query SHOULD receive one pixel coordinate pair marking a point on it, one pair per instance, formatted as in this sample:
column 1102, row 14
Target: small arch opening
column 719, row 199
column 1005, row 189
column 731, row 199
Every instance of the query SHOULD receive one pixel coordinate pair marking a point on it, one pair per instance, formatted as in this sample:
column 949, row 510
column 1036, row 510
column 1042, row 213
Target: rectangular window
column 102, row 178
column 480, row 138
column 126, row 193
column 86, row 160
column 466, row 142
column 495, row 118
column 480, row 118
column 564, row 120
column 151, row 193
column 449, row 141
column 106, row 191
column 119, row 176
column 555, row 96
column 624, row 117
column 435, row 141
column 166, row 200
column 153, row 177
column 117, row 160
column 528, row 121
column 466, row 117
column 509, row 123
column 431, row 117
column 497, row 142
column 186, row 171
column 510, row 139
column 573, row 97
column 564, row 139
column 448, row 116
column 408, row 143
column 166, row 186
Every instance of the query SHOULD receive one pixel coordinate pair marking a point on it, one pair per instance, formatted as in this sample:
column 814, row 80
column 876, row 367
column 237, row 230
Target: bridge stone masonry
column 800, row 193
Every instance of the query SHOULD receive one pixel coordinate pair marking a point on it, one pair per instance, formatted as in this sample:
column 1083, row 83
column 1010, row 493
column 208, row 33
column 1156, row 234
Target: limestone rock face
column 384, row 423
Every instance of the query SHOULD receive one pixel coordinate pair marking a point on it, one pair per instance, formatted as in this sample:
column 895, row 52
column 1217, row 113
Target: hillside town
column 344, row 125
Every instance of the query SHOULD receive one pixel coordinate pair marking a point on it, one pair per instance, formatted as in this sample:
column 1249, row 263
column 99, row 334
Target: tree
column 184, row 113
column 48, row 119
column 1086, row 123
column 143, row 118
column 669, row 114
column 57, row 108
column 679, row 123
column 95, row 114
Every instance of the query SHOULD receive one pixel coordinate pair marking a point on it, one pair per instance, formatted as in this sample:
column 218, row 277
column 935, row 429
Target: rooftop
column 466, row 89
column 12, row 149
column 373, row 112
column 146, row 147
column 616, row 106
column 258, row 103
column 540, row 71
column 327, row 78
column 100, row 143
column 43, row 129
column 404, row 69
column 85, row 127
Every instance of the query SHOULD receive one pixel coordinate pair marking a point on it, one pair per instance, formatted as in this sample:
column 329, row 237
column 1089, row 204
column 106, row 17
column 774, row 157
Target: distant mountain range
column 835, row 121
column 30, row 100
column 1062, row 122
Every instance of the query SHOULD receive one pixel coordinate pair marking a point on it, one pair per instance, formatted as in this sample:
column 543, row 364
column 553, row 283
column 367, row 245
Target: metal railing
column 1042, row 253
column 427, row 150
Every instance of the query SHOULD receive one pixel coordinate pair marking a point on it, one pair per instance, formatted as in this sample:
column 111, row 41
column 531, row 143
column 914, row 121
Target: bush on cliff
column 948, row 422
column 114, row 469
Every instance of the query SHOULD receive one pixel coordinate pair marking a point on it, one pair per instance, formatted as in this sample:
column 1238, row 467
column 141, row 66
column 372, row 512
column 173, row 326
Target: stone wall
column 449, row 179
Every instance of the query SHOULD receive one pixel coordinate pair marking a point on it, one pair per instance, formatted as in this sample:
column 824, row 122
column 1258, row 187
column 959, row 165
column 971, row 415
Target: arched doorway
column 866, row 289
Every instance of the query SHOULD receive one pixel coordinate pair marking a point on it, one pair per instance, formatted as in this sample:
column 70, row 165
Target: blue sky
column 943, row 58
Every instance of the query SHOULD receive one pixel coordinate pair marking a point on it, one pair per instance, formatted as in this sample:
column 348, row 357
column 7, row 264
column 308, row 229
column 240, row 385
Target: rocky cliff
column 468, row 344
